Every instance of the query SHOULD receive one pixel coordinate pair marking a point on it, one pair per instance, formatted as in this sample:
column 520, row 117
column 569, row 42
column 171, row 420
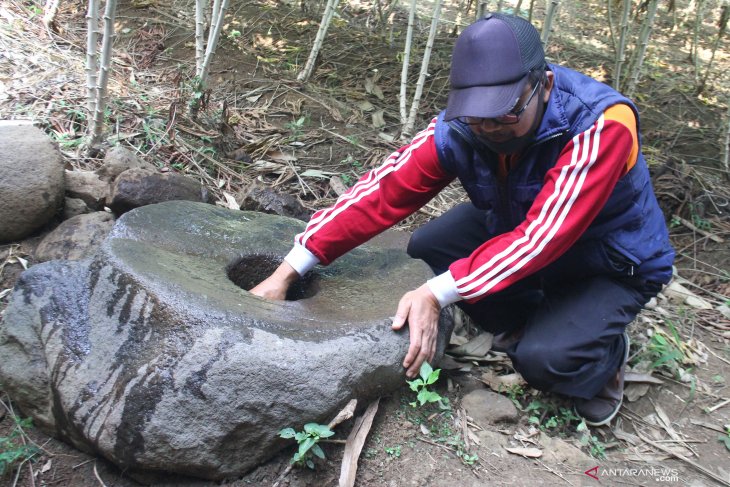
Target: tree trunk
column 50, row 11
column 621, row 48
column 199, row 33
column 721, row 26
column 532, row 8
column 92, row 60
column 481, row 8
column 105, row 63
column 408, row 129
column 694, row 52
column 645, row 34
column 216, row 24
column 726, row 146
column 549, row 15
column 406, row 61
column 329, row 12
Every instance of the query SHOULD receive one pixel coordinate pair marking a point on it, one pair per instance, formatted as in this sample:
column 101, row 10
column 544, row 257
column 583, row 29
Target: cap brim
column 484, row 101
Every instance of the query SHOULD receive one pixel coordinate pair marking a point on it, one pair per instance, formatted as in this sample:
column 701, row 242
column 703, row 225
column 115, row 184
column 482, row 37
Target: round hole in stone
column 250, row 270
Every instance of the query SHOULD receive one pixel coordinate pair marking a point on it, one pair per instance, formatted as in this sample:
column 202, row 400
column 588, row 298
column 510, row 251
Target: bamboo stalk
column 621, row 49
column 694, row 52
column 611, row 26
column 722, row 27
column 408, row 129
column 199, row 33
column 406, row 62
column 213, row 19
column 92, row 65
column 726, row 146
column 532, row 8
column 646, row 29
column 329, row 12
column 481, row 8
column 216, row 24
column 105, row 65
column 552, row 9
column 49, row 12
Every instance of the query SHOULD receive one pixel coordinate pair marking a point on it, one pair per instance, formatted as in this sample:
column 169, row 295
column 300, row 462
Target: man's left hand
column 420, row 309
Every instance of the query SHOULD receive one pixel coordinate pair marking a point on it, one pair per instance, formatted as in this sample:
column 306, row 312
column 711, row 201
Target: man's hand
column 420, row 309
column 276, row 285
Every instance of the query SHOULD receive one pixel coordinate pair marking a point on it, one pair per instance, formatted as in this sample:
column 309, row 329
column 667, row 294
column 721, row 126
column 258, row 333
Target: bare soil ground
column 258, row 124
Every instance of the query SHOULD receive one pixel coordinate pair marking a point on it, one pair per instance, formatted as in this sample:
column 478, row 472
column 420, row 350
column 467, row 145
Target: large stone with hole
column 152, row 355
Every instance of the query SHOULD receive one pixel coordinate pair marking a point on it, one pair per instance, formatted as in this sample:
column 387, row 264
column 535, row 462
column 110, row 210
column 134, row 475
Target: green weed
column 595, row 446
column 307, row 441
column 428, row 376
column 393, row 451
column 665, row 349
column 726, row 437
column 13, row 450
column 297, row 126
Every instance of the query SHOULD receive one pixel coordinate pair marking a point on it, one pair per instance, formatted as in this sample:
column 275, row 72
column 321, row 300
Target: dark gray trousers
column 572, row 319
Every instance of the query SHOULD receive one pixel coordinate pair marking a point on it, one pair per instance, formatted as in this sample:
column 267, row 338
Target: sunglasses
column 509, row 118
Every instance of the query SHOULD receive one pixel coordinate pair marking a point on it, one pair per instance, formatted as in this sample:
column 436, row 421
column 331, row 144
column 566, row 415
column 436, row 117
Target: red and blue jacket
column 583, row 184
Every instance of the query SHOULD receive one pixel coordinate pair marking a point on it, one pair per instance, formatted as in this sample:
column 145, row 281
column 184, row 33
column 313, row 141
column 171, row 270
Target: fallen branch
column 354, row 445
column 718, row 406
column 694, row 228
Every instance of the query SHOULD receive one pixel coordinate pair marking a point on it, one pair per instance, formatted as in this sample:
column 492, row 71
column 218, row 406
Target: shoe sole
column 607, row 420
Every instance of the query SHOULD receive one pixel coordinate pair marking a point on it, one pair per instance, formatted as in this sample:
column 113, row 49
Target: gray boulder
column 140, row 187
column 31, row 181
column 75, row 238
column 150, row 355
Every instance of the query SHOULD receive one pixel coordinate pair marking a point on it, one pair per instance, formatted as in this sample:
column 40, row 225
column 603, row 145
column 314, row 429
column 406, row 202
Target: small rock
column 117, row 161
column 73, row 207
column 680, row 294
column 634, row 391
column 266, row 200
column 557, row 450
column 487, row 407
column 76, row 238
column 141, row 187
column 87, row 186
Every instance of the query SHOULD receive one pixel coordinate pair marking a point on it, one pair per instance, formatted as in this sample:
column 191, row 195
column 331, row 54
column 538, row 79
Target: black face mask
column 517, row 144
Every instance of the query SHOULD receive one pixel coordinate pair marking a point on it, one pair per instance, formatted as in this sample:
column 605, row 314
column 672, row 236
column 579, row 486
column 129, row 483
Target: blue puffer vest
column 628, row 237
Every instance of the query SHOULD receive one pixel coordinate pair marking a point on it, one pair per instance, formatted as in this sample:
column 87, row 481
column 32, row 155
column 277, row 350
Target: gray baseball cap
column 490, row 65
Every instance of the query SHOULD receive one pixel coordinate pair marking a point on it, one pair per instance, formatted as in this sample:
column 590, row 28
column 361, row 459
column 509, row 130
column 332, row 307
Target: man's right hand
column 277, row 284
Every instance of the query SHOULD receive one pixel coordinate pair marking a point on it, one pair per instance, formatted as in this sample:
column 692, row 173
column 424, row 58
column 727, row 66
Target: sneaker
column 601, row 409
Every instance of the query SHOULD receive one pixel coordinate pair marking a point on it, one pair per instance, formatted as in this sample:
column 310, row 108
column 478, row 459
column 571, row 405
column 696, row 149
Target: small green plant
column 393, row 451
column 595, row 446
column 726, row 437
column 12, row 448
column 664, row 349
column 307, row 441
column 428, row 376
column 466, row 458
column 297, row 126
